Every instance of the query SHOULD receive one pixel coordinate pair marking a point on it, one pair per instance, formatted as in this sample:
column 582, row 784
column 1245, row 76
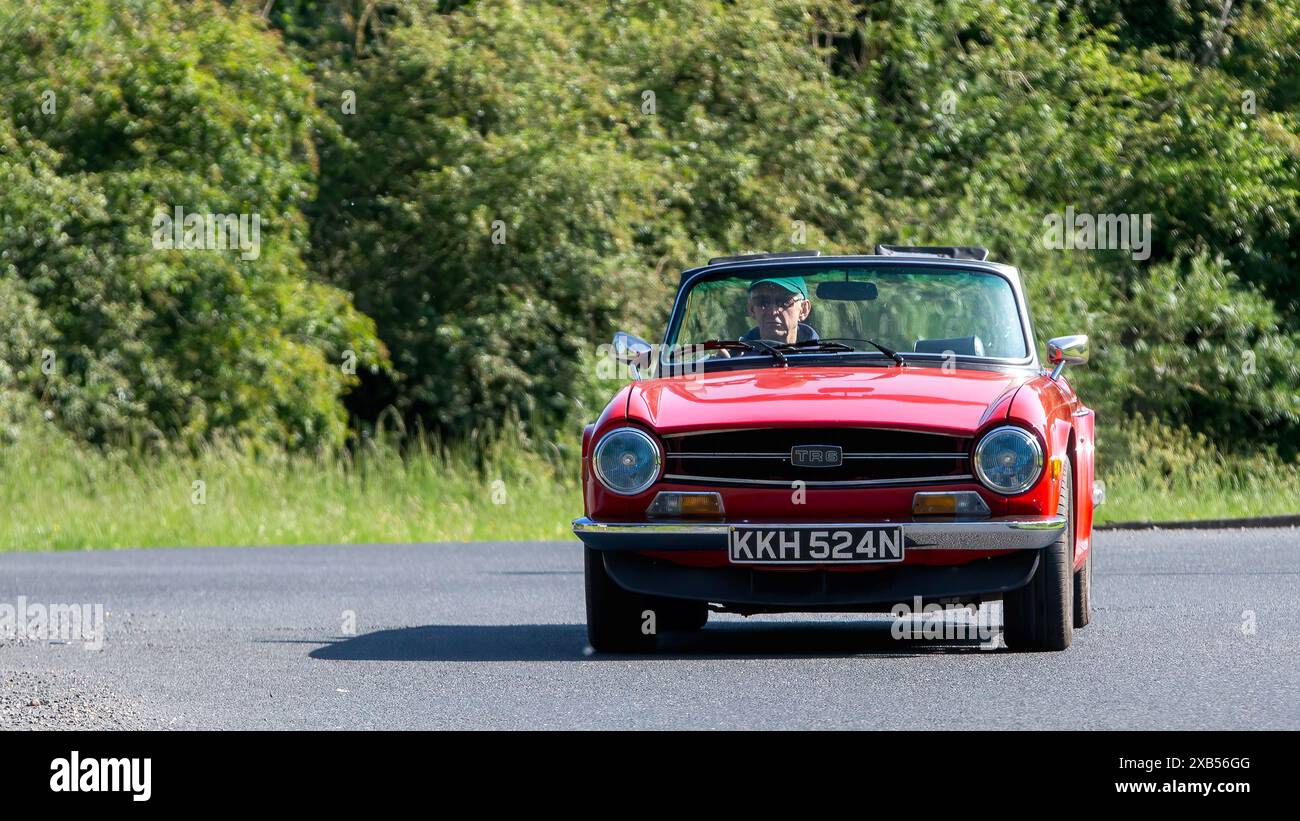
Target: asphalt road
column 491, row 635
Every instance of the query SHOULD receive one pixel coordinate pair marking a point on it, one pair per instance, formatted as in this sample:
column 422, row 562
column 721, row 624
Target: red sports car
column 841, row 434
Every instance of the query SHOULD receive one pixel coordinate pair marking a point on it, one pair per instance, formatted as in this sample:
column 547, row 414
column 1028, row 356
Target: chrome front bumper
column 1001, row 533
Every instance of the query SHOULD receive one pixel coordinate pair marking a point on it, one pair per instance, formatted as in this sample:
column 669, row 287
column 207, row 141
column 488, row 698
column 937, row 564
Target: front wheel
column 1083, row 592
column 1039, row 615
column 616, row 618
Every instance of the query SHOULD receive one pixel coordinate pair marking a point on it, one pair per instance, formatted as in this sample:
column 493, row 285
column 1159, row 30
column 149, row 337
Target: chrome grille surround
column 871, row 457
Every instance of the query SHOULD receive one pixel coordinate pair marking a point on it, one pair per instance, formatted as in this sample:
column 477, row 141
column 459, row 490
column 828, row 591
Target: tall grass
column 1156, row 473
column 59, row 495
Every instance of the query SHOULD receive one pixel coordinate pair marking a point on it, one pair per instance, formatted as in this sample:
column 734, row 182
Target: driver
column 780, row 305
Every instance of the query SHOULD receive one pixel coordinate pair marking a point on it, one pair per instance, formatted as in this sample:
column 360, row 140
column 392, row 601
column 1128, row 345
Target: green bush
column 111, row 113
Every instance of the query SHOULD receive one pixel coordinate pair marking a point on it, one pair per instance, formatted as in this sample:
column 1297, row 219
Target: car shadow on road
column 568, row 642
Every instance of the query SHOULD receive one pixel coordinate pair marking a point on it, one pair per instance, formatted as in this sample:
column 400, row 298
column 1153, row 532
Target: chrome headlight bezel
column 1024, row 435
column 627, row 430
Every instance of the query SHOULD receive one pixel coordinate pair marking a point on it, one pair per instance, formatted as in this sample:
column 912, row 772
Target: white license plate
column 789, row 545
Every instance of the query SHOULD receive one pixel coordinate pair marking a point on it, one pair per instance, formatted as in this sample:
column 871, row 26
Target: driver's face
column 778, row 312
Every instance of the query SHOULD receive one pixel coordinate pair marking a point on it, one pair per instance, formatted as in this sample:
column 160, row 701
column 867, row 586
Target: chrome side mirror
column 632, row 351
column 1067, row 350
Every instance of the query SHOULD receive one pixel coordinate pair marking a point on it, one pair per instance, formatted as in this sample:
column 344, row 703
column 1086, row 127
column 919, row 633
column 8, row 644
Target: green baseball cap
column 794, row 285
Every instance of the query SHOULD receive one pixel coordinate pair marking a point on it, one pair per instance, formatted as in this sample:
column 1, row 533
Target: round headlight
column 626, row 461
column 1009, row 460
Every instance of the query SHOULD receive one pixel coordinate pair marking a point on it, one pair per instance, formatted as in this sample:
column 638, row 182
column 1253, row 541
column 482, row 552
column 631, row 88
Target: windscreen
column 963, row 313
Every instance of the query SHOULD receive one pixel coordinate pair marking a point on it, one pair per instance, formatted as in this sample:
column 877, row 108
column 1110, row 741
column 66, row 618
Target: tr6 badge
column 817, row 456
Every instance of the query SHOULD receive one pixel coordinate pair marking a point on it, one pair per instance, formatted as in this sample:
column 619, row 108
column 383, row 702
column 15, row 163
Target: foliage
column 110, row 114
column 492, row 187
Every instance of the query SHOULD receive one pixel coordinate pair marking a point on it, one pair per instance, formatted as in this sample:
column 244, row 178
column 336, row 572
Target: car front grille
column 762, row 456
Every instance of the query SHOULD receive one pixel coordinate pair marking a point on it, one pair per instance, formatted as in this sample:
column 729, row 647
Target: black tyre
column 1039, row 615
column 1083, row 591
column 615, row 617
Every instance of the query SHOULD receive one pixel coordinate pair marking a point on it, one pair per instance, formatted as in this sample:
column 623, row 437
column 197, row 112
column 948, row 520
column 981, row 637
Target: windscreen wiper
column 744, row 344
column 779, row 349
column 757, row 346
column 815, row 345
column 772, row 348
column 723, row 344
column 889, row 352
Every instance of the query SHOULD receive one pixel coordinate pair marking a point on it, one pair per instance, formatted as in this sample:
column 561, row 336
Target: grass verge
column 58, row 496
column 1155, row 473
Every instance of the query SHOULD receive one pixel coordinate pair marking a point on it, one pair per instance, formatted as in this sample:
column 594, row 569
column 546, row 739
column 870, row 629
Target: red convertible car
column 841, row 434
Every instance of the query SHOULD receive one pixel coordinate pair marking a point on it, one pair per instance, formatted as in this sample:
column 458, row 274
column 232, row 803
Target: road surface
column 1192, row 629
